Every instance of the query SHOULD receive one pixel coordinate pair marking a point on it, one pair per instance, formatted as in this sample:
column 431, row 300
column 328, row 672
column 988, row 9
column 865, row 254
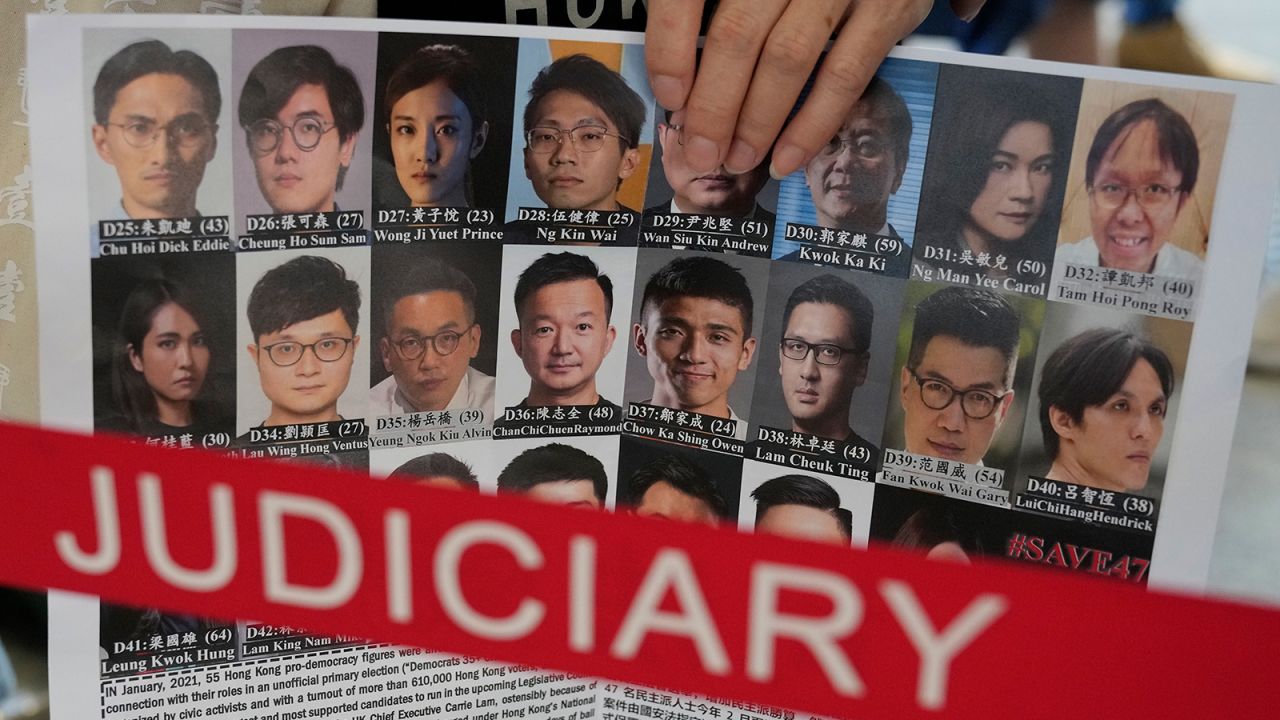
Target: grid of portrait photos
column 484, row 263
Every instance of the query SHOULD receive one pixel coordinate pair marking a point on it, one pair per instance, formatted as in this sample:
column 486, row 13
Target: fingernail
column 969, row 18
column 786, row 160
column 702, row 154
column 742, row 158
column 667, row 88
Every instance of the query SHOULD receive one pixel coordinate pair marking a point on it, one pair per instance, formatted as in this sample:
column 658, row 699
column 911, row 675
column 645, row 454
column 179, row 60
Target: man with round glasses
column 301, row 112
column 303, row 315
column 156, row 116
column 582, row 128
column 430, row 338
column 823, row 355
column 957, row 385
column 853, row 175
column 1141, row 168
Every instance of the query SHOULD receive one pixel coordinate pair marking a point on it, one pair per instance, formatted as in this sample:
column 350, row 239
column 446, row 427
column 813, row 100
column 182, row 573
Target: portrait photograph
column 164, row 350
column 434, row 319
column 1105, row 399
column 804, row 505
column 826, row 357
column 589, row 109
column 867, row 178
column 302, row 336
column 963, row 374
column 160, row 132
column 304, row 121
column 994, row 178
column 444, row 108
column 694, row 343
column 1143, row 177
column 565, row 343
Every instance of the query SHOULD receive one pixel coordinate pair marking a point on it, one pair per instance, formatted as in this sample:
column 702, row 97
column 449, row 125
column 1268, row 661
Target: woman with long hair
column 161, row 363
column 993, row 184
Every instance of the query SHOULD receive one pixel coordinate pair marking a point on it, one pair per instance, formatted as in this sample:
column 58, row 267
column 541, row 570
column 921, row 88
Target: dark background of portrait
column 1003, row 452
column 725, row 470
column 211, row 277
column 866, row 414
column 481, row 262
column 354, row 50
column 755, row 270
column 963, row 92
column 994, row 528
column 915, row 81
column 496, row 59
column 1064, row 321
column 659, row 192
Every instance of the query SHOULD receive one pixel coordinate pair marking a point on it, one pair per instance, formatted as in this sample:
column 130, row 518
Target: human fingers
column 967, row 10
column 738, row 31
column 871, row 32
column 786, row 62
column 670, row 49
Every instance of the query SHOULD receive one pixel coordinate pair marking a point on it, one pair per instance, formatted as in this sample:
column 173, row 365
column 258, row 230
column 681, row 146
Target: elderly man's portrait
column 1105, row 399
column 581, row 140
column 866, row 179
column 435, row 333
column 670, row 482
column 960, row 389
column 302, row 332
column 674, row 187
column 444, row 104
column 695, row 333
column 559, row 326
column 995, row 177
column 827, row 354
column 303, row 103
column 1143, row 178
column 158, row 127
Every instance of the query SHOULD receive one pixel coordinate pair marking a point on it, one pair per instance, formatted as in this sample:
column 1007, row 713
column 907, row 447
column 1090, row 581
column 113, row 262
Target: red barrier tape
column 871, row 634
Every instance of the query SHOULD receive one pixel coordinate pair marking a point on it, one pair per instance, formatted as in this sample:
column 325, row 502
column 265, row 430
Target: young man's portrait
column 562, row 329
column 304, row 321
column 956, row 387
column 431, row 335
column 802, row 507
column 156, row 116
column 1143, row 179
column 696, row 332
column 582, row 138
column 670, row 482
column 301, row 110
column 559, row 474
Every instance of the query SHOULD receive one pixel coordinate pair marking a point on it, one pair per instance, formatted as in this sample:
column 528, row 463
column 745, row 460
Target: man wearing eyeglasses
column 957, row 385
column 156, row 115
column 582, row 128
column 431, row 336
column 1141, row 168
column 853, row 175
column 304, row 315
column 301, row 112
column 823, row 355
